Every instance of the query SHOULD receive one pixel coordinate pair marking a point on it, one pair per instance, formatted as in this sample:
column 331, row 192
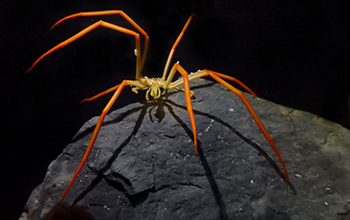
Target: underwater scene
column 175, row 110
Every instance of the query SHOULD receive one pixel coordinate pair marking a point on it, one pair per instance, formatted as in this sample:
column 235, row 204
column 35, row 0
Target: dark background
column 295, row 53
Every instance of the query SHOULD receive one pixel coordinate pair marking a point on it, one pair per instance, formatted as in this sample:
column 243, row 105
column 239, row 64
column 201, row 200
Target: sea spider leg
column 254, row 115
column 218, row 77
column 178, row 39
column 185, row 82
column 139, row 59
column 101, row 94
column 114, row 12
column 97, row 129
column 199, row 74
column 136, row 83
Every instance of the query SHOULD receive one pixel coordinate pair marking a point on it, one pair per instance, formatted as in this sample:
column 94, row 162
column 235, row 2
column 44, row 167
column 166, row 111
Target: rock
column 143, row 164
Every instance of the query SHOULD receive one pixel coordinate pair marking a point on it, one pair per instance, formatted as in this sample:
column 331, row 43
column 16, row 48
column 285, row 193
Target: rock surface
column 143, row 164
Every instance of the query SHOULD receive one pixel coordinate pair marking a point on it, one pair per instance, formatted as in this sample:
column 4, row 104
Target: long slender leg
column 98, row 13
column 235, row 80
column 137, row 85
column 95, row 133
column 175, row 45
column 101, row 94
column 218, row 77
column 92, row 27
column 203, row 73
column 254, row 115
column 182, row 71
column 114, row 12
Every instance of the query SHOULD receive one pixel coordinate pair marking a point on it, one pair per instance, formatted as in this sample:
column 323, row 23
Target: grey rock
column 143, row 164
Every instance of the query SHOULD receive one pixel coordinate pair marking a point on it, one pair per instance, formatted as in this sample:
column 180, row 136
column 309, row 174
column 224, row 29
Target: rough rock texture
column 143, row 164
